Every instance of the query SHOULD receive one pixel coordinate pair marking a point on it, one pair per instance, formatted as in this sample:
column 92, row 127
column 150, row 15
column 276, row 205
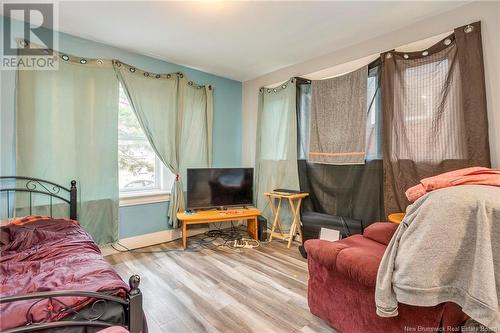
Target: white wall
column 486, row 12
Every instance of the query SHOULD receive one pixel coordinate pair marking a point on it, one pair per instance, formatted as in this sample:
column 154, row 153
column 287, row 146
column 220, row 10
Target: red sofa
column 341, row 288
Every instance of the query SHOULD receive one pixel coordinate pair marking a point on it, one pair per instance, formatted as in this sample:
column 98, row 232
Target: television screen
column 216, row 187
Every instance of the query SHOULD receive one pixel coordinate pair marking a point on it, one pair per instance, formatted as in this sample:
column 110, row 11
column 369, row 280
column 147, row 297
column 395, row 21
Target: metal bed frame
column 132, row 304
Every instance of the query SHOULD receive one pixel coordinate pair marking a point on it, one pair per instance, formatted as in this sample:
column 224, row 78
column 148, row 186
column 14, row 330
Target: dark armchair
column 312, row 222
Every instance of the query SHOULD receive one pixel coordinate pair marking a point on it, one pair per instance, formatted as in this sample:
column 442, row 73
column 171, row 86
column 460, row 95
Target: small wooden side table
column 396, row 217
column 295, row 201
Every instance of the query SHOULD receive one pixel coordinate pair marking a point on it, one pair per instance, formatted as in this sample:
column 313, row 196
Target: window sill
column 143, row 198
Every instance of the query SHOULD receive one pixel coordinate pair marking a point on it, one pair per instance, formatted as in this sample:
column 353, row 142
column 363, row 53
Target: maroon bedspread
column 46, row 254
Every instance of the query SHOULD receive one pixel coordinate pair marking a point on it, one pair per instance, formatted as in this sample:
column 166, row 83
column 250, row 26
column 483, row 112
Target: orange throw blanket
column 467, row 176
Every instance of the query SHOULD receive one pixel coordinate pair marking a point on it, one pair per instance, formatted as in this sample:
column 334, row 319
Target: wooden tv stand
column 211, row 216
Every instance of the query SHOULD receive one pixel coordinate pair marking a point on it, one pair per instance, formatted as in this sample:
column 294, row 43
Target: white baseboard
column 154, row 238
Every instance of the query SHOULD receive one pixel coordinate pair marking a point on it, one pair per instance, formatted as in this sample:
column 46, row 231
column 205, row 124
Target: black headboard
column 43, row 187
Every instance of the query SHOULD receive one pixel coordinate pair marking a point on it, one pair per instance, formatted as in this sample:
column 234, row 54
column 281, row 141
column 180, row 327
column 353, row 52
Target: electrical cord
column 233, row 238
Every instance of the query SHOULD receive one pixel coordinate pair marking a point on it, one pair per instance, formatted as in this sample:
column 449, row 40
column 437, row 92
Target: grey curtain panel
column 176, row 116
column 434, row 112
column 276, row 150
column 338, row 119
column 67, row 128
column 354, row 191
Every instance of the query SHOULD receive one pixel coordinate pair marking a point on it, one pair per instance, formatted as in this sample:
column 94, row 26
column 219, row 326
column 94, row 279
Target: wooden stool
column 295, row 200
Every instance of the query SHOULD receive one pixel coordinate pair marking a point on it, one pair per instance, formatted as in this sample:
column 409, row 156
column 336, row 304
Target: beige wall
column 486, row 12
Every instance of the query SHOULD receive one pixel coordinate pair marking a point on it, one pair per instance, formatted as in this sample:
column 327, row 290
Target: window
column 427, row 113
column 140, row 170
column 373, row 119
column 424, row 86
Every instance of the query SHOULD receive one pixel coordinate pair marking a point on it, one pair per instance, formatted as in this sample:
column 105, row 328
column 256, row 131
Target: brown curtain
column 434, row 112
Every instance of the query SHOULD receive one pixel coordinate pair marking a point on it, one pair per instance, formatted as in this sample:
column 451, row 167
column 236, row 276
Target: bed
column 53, row 277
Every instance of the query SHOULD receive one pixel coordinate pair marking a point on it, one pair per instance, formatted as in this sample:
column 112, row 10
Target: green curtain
column 195, row 144
column 67, row 125
column 276, row 152
column 176, row 116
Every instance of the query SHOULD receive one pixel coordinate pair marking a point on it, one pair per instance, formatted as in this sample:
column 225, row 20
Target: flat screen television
column 219, row 187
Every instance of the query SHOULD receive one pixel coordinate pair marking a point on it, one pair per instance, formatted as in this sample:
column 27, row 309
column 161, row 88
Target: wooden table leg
column 184, row 235
column 273, row 209
column 299, row 203
column 253, row 227
column 276, row 216
column 293, row 225
column 296, row 221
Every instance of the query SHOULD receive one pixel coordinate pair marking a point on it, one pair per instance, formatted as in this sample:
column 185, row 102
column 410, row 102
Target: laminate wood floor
column 223, row 290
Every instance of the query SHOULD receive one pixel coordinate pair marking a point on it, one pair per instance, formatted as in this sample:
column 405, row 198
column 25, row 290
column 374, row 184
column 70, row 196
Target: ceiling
column 239, row 40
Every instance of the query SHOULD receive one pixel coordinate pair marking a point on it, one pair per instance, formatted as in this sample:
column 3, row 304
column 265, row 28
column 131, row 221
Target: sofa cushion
column 356, row 257
column 381, row 232
column 360, row 259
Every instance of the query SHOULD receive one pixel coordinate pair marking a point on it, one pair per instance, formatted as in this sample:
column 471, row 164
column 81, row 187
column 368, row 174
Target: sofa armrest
column 381, row 232
column 324, row 252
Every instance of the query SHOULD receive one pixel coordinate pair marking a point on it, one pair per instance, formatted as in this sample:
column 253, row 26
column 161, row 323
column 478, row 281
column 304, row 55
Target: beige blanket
column 447, row 249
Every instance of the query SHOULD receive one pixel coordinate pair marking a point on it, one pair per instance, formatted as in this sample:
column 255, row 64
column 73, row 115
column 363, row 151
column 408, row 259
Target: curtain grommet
column 118, row 64
column 158, row 76
column 275, row 90
column 283, row 86
column 83, row 61
column 425, row 53
column 468, row 28
column 146, row 74
column 169, row 76
column 388, row 55
column 261, row 90
column 447, row 41
column 209, row 87
column 132, row 69
column 99, row 62
column 190, row 83
column 268, row 90
column 406, row 56
column 65, row 57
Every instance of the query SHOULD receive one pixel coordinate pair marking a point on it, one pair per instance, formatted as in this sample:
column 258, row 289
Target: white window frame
column 158, row 181
column 159, row 193
column 154, row 195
